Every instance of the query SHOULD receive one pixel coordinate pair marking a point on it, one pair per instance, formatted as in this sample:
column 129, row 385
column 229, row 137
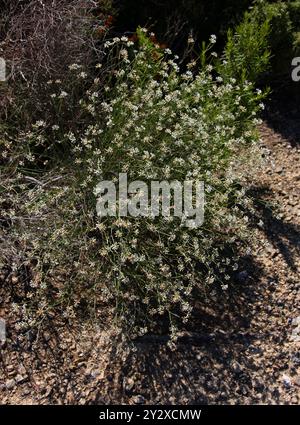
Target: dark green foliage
column 172, row 21
column 281, row 37
column 246, row 54
column 294, row 11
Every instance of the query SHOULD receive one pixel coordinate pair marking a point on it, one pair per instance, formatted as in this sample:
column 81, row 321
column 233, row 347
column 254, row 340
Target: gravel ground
column 245, row 351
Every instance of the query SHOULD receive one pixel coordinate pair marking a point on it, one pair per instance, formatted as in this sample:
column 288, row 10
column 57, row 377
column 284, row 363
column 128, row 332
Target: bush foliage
column 147, row 118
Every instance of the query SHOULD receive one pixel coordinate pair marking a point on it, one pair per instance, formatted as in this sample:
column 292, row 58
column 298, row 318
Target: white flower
column 74, row 66
column 124, row 53
column 40, row 123
column 83, row 75
column 213, row 39
column 63, row 94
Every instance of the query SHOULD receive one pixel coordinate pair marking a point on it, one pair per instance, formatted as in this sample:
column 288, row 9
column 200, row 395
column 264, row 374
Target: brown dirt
column 244, row 351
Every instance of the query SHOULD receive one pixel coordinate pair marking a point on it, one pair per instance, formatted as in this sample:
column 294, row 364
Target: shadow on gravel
column 214, row 368
column 215, row 361
column 282, row 112
column 217, row 357
column 285, row 237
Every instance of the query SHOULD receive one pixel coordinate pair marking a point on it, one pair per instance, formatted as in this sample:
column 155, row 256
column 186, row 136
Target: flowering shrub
column 154, row 123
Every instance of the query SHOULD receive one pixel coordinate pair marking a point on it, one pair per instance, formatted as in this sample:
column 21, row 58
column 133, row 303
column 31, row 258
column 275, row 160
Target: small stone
column 10, row 384
column 20, row 379
column 236, row 367
column 47, row 336
column 296, row 321
column 295, row 338
column 286, row 381
column 297, row 381
column 128, row 384
column 21, row 370
column 138, row 399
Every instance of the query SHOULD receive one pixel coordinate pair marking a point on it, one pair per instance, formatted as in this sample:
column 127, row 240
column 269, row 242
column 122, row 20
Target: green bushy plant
column 267, row 35
column 247, row 54
column 281, row 37
column 154, row 123
column 282, row 22
column 294, row 12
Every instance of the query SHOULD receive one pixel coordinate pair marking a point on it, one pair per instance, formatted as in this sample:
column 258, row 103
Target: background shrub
column 281, row 37
column 39, row 40
column 294, row 11
column 173, row 21
column 247, row 54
